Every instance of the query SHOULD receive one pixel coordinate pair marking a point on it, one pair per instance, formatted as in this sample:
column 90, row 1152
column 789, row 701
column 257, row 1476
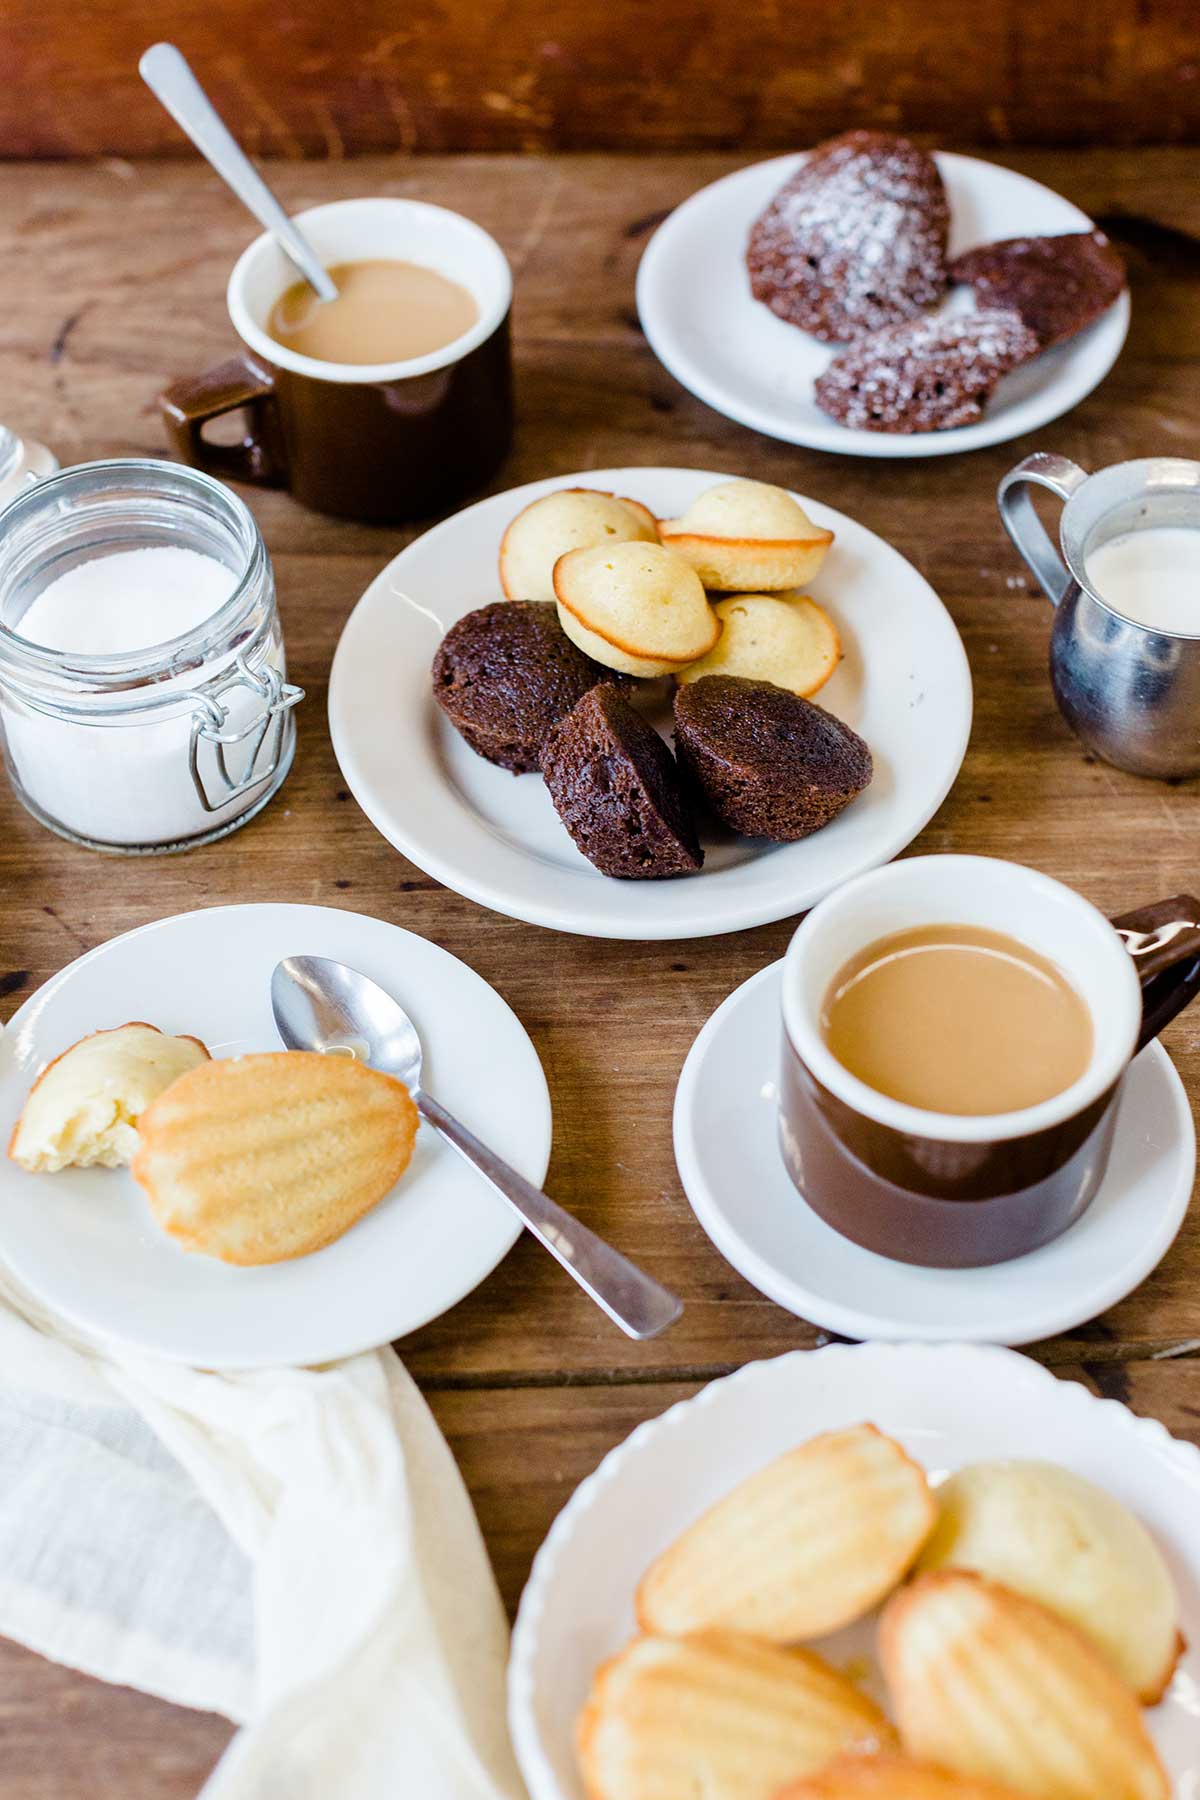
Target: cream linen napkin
column 293, row 1548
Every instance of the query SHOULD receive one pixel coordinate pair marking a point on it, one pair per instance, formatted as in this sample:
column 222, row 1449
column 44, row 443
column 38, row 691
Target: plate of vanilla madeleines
column 649, row 703
column 871, row 1572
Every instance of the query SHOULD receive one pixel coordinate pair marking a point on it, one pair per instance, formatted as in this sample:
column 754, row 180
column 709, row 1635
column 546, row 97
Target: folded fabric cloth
column 293, row 1548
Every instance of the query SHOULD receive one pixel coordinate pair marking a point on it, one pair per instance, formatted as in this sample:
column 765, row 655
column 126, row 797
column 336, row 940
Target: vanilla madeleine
column 786, row 639
column 570, row 519
column 997, row 1687
column 83, row 1109
column 747, row 536
column 255, row 1159
column 1057, row 1538
column 810, row 1542
column 718, row 1716
column 634, row 607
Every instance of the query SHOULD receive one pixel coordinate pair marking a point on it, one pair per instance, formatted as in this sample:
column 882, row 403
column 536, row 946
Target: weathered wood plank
column 304, row 79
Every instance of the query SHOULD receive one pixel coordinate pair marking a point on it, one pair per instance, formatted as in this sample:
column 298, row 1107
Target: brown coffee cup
column 382, row 442
column 950, row 1191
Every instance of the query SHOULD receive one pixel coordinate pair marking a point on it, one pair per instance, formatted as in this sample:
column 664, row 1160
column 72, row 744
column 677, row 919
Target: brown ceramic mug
column 382, row 442
column 951, row 1191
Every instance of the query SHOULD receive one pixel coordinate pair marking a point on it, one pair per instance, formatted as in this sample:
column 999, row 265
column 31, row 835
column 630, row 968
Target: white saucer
column 84, row 1242
column 733, row 1175
column 948, row 1404
column 903, row 684
column 705, row 326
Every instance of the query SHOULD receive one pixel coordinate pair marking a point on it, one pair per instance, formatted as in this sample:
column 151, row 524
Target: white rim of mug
column 491, row 312
column 913, row 1121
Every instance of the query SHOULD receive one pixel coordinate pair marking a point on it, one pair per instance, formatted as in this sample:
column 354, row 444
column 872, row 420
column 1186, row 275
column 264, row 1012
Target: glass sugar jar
column 150, row 749
column 22, row 462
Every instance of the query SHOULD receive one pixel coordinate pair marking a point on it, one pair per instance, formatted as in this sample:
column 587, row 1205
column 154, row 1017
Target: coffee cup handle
column 1164, row 942
column 1062, row 477
column 190, row 403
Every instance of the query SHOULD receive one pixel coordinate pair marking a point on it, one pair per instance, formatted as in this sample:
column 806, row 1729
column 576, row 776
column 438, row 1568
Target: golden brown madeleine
column 569, row 519
column 799, row 1549
column 719, row 1716
column 890, row 1778
column 255, row 1159
column 786, row 639
column 1049, row 1534
column 83, row 1109
column 1000, row 1688
column 747, row 535
column 637, row 608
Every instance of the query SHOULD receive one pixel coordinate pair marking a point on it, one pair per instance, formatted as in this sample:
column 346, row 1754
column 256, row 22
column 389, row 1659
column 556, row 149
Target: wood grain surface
column 304, row 78
column 114, row 276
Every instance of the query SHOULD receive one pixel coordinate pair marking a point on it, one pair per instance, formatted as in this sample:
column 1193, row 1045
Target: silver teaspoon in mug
column 323, row 1005
column 168, row 75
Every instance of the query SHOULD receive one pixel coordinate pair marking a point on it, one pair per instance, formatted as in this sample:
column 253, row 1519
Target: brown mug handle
column 189, row 403
column 1164, row 942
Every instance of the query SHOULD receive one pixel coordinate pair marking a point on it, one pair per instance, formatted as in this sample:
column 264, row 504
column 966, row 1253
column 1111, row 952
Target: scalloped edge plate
column 947, row 1404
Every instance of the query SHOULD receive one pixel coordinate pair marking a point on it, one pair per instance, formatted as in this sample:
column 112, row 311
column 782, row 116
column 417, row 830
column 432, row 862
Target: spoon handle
column 631, row 1299
column 168, row 75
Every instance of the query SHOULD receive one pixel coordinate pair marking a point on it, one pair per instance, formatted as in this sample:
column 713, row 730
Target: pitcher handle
column 1062, row 477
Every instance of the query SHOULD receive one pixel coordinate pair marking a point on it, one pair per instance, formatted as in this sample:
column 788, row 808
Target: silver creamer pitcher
column 1131, row 692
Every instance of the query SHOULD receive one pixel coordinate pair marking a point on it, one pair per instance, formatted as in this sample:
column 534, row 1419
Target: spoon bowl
column 325, row 1006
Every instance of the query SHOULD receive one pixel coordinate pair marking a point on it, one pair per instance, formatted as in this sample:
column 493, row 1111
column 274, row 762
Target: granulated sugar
column 130, row 600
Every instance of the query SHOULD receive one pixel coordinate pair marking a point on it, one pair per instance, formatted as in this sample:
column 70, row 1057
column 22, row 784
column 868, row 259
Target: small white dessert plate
column 903, row 684
column 84, row 1241
column 706, row 327
column 734, row 1177
column 947, row 1404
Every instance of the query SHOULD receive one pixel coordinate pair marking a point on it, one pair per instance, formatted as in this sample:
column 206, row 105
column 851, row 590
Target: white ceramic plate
column 728, row 1156
column 84, row 1242
column 947, row 1404
column 904, row 685
column 703, row 323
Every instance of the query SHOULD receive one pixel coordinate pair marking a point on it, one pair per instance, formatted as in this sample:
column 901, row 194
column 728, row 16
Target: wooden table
column 113, row 280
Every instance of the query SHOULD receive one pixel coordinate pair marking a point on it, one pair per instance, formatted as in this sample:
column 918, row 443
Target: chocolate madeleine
column 767, row 762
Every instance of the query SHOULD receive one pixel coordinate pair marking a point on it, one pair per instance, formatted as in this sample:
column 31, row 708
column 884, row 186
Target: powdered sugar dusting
column 927, row 374
column 856, row 240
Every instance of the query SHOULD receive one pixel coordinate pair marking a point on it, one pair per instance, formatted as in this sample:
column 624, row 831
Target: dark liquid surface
column 385, row 312
column 957, row 1019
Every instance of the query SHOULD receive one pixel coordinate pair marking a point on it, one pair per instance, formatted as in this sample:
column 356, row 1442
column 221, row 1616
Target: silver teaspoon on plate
column 323, row 1005
column 168, row 75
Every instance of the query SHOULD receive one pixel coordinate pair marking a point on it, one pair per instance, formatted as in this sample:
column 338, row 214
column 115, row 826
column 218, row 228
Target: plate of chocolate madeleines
column 870, row 1572
column 872, row 298
column 649, row 703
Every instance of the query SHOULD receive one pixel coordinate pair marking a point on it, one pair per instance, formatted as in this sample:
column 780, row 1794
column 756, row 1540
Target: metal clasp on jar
column 267, row 728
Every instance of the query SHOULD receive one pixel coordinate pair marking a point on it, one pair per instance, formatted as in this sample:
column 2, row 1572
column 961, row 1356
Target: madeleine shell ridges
column 969, row 1664
column 800, row 1548
column 718, row 1715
